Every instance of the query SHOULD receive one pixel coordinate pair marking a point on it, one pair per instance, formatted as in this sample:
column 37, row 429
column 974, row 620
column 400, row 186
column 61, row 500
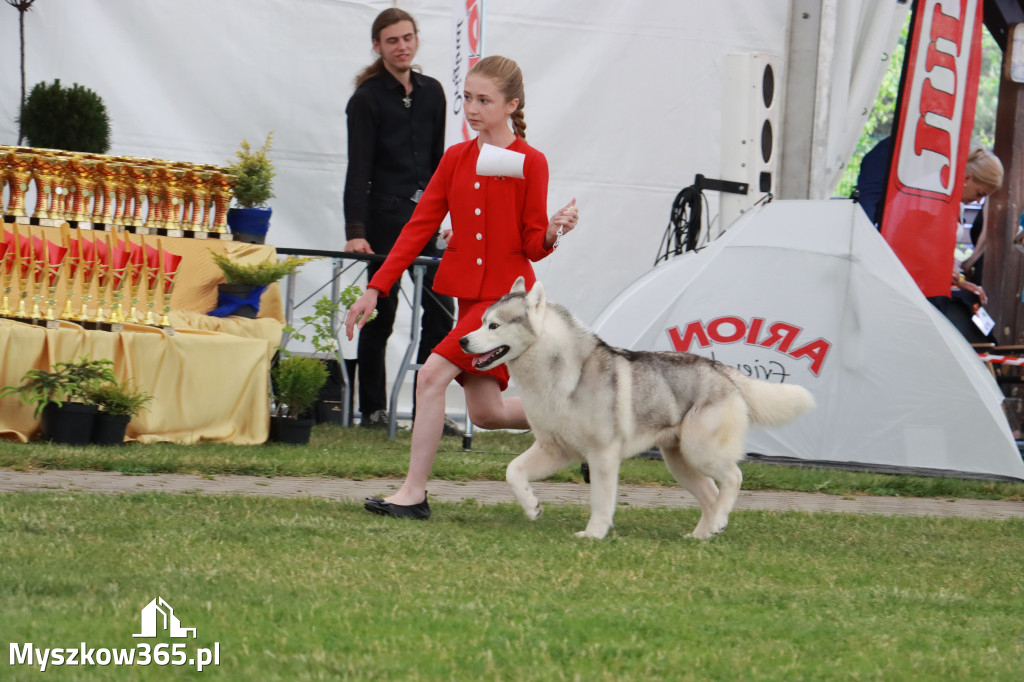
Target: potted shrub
column 249, row 220
column 74, row 119
column 244, row 283
column 296, row 380
column 61, row 397
column 117, row 403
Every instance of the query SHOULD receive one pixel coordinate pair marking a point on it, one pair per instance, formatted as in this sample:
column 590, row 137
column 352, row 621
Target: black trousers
column 388, row 215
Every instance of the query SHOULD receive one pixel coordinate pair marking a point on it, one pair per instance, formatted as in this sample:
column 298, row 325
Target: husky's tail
column 773, row 404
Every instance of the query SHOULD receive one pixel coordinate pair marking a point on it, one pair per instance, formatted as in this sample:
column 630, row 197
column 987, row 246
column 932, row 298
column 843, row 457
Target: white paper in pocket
column 497, row 161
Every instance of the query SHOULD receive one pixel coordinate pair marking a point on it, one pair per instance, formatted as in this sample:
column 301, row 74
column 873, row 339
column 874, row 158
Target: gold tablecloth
column 208, row 386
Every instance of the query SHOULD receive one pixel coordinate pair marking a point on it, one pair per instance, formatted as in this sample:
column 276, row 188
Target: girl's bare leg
column 487, row 409
column 431, row 382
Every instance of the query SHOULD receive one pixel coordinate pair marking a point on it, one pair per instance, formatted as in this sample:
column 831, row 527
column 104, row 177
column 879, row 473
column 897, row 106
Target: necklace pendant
column 407, row 101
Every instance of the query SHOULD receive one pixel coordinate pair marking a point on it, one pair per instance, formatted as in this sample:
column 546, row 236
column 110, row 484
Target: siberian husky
column 586, row 400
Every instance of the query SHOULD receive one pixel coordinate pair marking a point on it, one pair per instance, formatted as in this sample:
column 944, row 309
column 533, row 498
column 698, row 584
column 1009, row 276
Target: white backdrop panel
column 623, row 99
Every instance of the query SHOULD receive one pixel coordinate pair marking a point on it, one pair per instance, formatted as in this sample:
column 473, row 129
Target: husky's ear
column 519, row 286
column 537, row 298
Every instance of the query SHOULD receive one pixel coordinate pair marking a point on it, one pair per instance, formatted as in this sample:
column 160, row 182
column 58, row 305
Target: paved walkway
column 492, row 492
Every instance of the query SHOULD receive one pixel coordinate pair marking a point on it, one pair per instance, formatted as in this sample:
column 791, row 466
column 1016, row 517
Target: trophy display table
column 208, row 386
column 209, row 375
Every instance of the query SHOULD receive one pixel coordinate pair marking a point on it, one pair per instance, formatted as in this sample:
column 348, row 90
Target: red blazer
column 498, row 226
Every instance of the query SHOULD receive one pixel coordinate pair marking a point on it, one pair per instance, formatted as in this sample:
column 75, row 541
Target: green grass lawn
column 311, row 589
column 308, row 589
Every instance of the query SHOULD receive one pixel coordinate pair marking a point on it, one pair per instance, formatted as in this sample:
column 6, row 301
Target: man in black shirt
column 396, row 123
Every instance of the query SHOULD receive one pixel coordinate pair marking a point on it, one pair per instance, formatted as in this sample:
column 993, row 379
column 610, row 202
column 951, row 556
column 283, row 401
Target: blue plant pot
column 242, row 300
column 249, row 224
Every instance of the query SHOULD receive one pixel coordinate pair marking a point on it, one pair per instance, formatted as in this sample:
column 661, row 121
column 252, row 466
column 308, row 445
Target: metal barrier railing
column 419, row 268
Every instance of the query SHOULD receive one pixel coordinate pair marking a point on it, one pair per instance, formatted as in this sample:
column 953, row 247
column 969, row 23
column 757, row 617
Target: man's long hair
column 388, row 17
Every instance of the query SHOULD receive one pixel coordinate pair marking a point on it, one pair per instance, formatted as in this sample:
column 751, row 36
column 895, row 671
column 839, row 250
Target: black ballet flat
column 378, row 505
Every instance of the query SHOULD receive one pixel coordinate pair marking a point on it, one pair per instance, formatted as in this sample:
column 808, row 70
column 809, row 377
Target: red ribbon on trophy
column 137, row 260
column 102, row 262
column 171, row 263
column 55, row 254
column 118, row 263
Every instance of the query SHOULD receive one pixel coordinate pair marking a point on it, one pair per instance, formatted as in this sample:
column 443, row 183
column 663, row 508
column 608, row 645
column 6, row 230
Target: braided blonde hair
column 506, row 75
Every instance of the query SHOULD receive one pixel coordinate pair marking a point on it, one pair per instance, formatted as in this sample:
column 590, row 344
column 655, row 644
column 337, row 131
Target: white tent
column 624, row 98
column 808, row 292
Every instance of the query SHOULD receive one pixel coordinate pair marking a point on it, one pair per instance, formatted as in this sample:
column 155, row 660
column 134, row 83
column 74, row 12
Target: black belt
column 415, row 198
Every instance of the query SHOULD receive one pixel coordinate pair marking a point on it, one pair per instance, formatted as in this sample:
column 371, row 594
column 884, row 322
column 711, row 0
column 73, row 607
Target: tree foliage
column 879, row 124
column 74, row 119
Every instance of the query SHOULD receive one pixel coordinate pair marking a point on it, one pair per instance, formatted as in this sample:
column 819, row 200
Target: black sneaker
column 378, row 419
column 451, row 428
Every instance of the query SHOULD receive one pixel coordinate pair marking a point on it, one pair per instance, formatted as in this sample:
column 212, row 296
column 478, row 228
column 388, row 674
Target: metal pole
column 414, row 344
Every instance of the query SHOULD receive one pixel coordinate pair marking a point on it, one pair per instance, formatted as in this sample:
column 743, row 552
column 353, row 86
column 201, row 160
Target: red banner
column 467, row 48
column 932, row 139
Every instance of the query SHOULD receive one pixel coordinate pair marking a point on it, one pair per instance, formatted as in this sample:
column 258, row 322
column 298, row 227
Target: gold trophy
column 19, row 172
column 139, row 178
column 169, row 263
column 73, row 265
column 106, row 192
column 119, row 268
column 125, row 194
column 37, row 268
column 157, row 197
column 25, row 265
column 152, row 280
column 72, row 261
column 6, row 264
column 54, row 255
column 82, row 189
column 102, row 269
column 174, row 203
column 87, row 265
column 61, row 187
column 135, row 276
column 42, row 175
column 198, row 194
column 15, row 270
column 6, row 159
column 223, row 186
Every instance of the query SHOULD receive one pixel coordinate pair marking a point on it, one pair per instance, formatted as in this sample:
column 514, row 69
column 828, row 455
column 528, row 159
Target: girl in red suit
column 499, row 225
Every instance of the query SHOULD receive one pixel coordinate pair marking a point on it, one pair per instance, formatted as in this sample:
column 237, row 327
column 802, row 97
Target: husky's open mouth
column 485, row 360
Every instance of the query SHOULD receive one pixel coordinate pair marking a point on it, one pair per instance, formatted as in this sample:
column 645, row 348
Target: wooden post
column 1004, row 265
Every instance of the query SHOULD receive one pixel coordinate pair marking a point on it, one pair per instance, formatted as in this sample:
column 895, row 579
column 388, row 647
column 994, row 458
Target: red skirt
column 471, row 312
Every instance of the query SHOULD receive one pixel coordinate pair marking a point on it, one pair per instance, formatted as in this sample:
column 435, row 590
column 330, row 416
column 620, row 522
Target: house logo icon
column 159, row 611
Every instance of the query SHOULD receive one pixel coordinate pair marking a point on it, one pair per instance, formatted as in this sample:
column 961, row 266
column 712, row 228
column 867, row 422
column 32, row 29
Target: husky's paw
column 534, row 512
column 706, row 533
column 596, row 533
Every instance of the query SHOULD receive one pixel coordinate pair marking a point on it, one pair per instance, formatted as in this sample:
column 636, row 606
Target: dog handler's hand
column 563, row 222
column 357, row 246
column 360, row 312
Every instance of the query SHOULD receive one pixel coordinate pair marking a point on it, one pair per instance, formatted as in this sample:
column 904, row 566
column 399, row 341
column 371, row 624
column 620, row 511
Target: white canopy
column 808, row 292
column 624, row 98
